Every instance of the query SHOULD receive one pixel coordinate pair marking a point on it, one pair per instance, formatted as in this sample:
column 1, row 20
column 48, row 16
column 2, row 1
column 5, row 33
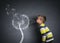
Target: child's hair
column 44, row 17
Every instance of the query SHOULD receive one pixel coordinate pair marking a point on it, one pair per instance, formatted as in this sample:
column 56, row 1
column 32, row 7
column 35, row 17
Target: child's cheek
column 37, row 21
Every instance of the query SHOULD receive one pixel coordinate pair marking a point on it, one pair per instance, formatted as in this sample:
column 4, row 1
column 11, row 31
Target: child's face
column 39, row 20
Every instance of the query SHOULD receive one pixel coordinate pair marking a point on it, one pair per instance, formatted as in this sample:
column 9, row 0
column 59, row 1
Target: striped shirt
column 47, row 35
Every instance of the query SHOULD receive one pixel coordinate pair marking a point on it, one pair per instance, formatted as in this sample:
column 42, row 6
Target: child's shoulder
column 45, row 27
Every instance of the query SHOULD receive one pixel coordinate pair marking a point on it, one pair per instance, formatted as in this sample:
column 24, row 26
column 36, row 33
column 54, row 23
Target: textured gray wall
column 31, row 8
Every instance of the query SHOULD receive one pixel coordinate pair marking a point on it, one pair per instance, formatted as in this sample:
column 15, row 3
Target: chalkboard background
column 8, row 34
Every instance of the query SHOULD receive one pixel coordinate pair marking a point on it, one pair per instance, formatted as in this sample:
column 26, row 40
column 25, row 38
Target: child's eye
column 40, row 18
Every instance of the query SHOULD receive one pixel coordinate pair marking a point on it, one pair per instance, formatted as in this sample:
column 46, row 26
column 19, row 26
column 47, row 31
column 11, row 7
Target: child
column 47, row 36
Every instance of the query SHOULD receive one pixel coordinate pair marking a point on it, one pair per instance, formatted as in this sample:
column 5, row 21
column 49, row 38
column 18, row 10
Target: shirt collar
column 42, row 24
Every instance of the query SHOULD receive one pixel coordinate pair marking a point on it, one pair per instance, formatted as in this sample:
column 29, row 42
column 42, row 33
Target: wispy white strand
column 21, row 34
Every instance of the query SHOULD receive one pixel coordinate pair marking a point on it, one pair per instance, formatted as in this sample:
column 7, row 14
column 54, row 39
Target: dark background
column 8, row 34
